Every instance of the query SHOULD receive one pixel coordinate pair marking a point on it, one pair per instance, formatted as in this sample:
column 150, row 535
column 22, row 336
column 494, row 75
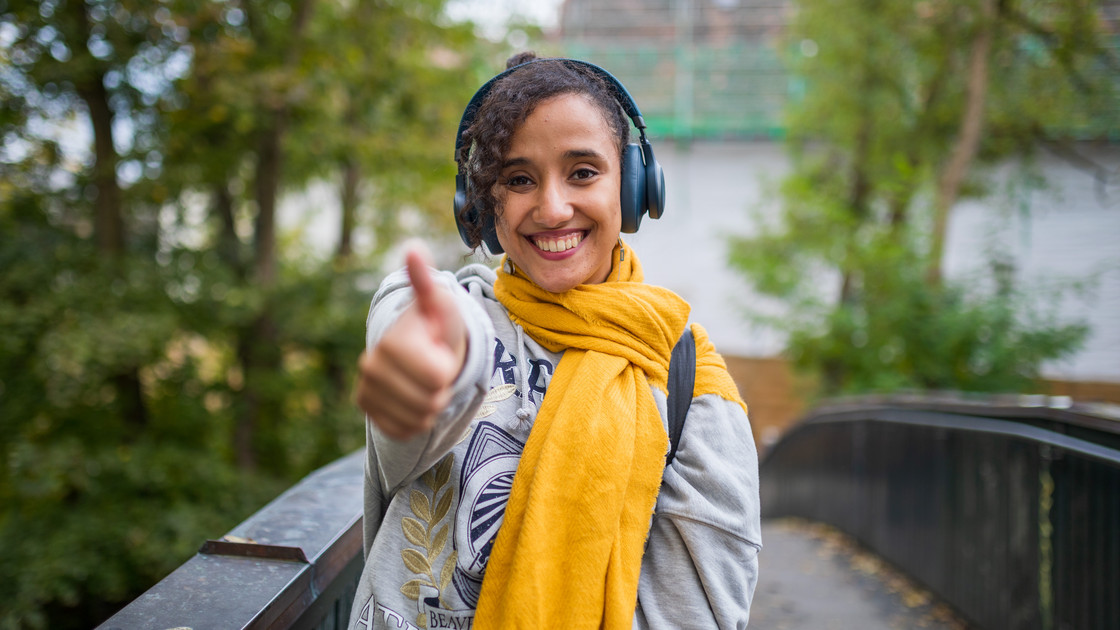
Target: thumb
column 434, row 303
column 423, row 286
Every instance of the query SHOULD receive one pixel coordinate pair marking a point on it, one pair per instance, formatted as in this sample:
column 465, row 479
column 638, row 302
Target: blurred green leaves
column 170, row 357
column 882, row 151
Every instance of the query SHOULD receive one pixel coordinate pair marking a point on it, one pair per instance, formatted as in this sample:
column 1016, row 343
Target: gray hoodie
column 433, row 504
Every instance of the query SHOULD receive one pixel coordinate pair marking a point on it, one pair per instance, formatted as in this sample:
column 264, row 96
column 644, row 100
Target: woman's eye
column 518, row 181
column 584, row 173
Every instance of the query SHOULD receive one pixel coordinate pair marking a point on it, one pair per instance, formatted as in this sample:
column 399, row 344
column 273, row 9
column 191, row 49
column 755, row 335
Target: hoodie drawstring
column 525, row 411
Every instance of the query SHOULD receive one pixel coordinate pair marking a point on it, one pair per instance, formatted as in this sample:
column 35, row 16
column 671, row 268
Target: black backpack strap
column 682, row 379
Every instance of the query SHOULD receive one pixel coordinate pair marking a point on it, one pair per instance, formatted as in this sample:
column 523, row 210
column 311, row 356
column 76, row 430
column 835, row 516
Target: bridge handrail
column 1060, row 413
column 1006, row 507
column 293, row 564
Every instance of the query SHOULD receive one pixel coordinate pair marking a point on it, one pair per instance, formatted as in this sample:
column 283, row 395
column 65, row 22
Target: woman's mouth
column 558, row 244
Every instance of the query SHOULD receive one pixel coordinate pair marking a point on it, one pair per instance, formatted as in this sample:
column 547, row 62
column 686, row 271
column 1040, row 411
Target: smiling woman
column 516, row 438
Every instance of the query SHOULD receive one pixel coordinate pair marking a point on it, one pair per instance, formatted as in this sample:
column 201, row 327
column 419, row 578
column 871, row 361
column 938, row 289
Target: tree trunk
column 230, row 250
column 899, row 202
column 274, row 110
column 350, row 178
column 964, row 151
column 255, row 432
column 257, row 344
column 229, row 245
column 108, row 207
column 833, row 369
column 108, row 225
column 109, row 228
column 267, row 191
column 255, row 437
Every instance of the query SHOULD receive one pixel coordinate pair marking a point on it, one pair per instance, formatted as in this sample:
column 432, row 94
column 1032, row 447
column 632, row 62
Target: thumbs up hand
column 405, row 380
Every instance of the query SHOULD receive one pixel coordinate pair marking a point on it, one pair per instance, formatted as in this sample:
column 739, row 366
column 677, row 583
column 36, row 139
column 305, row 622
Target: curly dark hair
column 508, row 104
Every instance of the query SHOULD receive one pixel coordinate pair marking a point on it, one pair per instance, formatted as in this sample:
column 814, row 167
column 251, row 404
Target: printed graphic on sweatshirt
column 429, row 537
column 378, row 617
column 504, row 362
column 539, row 371
column 484, row 485
column 381, row 617
column 495, row 395
column 437, row 617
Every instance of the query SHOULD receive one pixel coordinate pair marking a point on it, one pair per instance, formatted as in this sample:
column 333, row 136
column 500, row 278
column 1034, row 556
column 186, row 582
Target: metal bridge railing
column 293, row 564
column 1008, row 510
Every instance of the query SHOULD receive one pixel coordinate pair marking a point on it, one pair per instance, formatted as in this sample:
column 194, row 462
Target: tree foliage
column 170, row 358
column 904, row 105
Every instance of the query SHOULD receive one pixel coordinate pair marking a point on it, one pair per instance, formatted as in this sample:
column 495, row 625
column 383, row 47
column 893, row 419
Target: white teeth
column 559, row 245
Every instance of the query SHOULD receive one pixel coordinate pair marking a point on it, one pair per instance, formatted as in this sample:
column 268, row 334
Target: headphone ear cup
column 633, row 188
column 467, row 217
column 462, row 215
column 490, row 235
column 655, row 185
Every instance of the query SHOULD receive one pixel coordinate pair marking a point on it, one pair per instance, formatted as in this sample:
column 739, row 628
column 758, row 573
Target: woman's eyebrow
column 583, row 153
column 571, row 154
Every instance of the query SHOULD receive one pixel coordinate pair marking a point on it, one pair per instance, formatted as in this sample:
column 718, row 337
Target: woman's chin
column 554, row 284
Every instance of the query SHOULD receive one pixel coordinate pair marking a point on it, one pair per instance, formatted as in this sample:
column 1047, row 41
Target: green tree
column 169, row 360
column 284, row 94
column 905, row 103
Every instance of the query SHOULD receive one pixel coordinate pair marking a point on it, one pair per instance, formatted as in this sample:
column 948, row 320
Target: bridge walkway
column 812, row 577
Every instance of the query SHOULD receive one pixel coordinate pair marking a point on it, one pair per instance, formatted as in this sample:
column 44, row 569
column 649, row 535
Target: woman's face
column 559, row 191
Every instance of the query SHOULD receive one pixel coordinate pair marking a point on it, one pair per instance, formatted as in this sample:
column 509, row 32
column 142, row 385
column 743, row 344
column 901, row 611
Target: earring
column 621, row 250
column 509, row 265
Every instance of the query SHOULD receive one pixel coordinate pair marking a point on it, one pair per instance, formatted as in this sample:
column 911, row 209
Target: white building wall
column 1069, row 231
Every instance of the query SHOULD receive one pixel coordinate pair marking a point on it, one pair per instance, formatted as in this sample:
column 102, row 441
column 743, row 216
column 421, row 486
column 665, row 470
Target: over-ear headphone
column 643, row 181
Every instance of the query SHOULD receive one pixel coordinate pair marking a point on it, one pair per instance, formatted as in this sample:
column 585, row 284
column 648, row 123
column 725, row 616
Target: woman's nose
column 553, row 206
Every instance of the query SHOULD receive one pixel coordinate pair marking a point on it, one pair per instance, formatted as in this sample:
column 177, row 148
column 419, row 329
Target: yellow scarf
column 569, row 551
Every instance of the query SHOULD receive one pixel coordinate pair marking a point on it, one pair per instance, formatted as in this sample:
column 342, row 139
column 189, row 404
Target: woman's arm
column 424, row 372
column 701, row 563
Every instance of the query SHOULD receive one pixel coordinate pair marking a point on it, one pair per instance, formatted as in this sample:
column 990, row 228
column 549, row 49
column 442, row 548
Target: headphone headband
column 621, row 94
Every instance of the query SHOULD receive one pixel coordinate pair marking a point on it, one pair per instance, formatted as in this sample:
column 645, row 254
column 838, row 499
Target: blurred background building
column 710, row 79
column 698, row 69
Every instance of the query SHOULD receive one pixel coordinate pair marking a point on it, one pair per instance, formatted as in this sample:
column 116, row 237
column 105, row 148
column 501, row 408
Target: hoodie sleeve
column 701, row 562
column 397, row 463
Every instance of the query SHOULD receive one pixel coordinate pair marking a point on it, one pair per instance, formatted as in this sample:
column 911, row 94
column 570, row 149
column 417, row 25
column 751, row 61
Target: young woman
column 516, row 432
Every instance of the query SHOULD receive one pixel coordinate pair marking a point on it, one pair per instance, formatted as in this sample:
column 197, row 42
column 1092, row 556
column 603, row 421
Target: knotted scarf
column 569, row 551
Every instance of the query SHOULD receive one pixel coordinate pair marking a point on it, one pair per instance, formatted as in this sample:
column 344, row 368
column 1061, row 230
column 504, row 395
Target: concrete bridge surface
column 813, row 577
